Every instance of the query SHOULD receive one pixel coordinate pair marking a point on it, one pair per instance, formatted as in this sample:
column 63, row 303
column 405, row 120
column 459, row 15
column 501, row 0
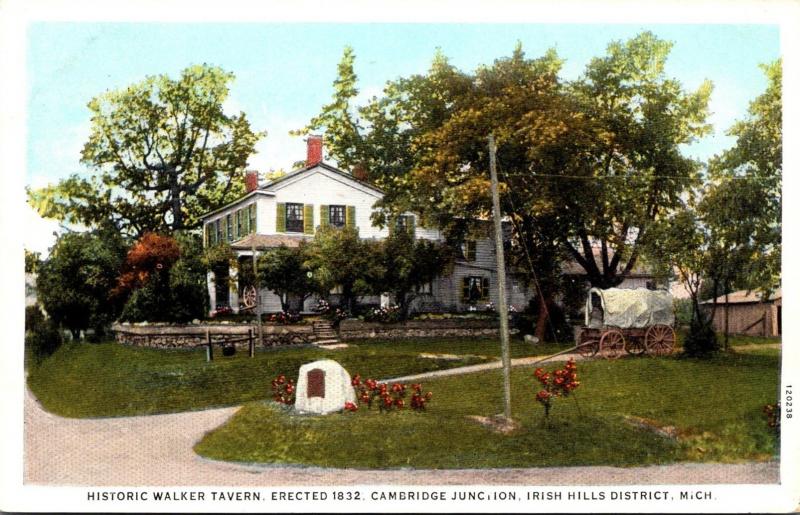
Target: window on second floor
column 404, row 222
column 336, row 216
column 469, row 250
column 294, row 218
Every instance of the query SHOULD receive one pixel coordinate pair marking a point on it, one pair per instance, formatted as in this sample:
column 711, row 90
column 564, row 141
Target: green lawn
column 462, row 346
column 102, row 380
column 715, row 404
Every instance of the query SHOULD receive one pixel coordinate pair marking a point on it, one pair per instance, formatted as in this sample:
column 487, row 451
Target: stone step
column 325, row 333
column 328, row 341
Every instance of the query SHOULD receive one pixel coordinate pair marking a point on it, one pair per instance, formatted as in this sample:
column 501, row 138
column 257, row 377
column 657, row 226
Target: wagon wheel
column 588, row 348
column 249, row 297
column 612, row 344
column 659, row 340
column 635, row 346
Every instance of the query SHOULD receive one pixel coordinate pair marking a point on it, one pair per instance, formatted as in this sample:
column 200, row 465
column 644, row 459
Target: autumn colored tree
column 163, row 152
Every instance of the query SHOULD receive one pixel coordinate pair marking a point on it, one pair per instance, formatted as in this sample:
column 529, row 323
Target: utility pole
column 501, row 281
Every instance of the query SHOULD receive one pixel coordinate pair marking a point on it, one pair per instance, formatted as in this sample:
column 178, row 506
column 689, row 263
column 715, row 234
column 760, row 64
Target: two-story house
column 288, row 210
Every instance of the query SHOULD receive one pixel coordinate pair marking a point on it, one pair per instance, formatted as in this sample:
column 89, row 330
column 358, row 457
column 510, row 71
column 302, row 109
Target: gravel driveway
column 156, row 450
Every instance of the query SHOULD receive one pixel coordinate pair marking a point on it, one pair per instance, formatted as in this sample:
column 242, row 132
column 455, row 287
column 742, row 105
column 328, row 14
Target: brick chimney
column 314, row 154
column 251, row 180
column 360, row 172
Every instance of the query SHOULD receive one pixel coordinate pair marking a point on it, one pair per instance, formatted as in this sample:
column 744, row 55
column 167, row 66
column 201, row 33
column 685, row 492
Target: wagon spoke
column 612, row 344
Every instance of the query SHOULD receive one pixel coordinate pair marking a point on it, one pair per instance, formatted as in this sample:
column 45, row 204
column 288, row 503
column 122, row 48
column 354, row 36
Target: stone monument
column 323, row 387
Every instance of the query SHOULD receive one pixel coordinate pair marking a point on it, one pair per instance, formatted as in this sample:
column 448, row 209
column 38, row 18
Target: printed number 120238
column 788, row 400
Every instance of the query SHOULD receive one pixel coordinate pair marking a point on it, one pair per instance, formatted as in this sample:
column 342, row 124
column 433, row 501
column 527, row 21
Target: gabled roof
column 238, row 200
column 745, row 297
column 323, row 165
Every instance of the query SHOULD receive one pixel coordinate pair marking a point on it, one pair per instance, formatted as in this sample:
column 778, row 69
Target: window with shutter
column 475, row 289
column 218, row 231
column 324, row 217
column 468, row 250
column 229, row 228
column 294, row 218
column 336, row 216
column 239, row 224
column 350, row 216
column 252, row 228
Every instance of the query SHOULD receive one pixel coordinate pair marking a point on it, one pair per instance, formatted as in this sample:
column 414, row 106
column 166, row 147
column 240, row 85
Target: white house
column 289, row 209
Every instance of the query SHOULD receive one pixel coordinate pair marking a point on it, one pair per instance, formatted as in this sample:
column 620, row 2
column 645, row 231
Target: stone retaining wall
column 451, row 327
column 192, row 335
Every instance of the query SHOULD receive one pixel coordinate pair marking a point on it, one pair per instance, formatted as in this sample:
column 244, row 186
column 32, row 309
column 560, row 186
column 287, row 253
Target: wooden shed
column 748, row 313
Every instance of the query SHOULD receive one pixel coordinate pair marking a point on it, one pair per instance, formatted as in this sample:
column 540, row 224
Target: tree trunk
column 542, row 319
column 175, row 192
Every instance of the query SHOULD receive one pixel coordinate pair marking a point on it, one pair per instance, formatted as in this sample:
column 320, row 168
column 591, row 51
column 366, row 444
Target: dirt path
column 156, row 450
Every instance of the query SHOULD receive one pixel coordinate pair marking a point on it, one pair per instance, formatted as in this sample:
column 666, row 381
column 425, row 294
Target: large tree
column 408, row 265
column 283, row 270
column 75, row 283
column 162, row 150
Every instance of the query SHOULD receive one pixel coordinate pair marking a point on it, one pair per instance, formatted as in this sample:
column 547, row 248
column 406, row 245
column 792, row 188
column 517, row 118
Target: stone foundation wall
column 188, row 336
column 356, row 329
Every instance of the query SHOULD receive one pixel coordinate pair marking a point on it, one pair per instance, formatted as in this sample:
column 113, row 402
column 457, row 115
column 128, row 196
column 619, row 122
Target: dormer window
column 336, row 216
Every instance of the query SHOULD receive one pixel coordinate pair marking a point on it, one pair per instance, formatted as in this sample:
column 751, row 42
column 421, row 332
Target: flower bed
column 352, row 329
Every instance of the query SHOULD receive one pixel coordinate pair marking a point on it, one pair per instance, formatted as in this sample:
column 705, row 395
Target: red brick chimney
column 314, row 154
column 250, row 180
column 360, row 172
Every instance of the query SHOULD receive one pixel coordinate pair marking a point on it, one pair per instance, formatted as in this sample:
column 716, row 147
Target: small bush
column 387, row 315
column 34, row 317
column 283, row 390
column 701, row 340
column 387, row 398
column 285, row 318
column 43, row 339
column 683, row 312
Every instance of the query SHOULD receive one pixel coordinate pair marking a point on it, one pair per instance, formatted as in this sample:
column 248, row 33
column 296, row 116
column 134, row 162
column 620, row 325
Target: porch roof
column 268, row 241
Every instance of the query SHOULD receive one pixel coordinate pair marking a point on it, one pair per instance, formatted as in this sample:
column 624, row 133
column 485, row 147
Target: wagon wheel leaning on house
column 249, row 297
column 659, row 340
column 612, row 344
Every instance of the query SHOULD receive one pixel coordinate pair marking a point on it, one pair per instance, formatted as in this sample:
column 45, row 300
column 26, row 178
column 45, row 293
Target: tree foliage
column 163, row 152
column 284, row 271
column 75, row 282
column 163, row 279
column 340, row 258
column 408, row 265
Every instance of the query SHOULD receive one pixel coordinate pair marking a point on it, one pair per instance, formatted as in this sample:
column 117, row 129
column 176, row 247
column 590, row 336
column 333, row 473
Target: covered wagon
column 624, row 320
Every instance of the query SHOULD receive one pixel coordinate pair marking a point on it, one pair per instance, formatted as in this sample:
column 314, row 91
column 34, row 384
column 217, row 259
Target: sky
column 284, row 73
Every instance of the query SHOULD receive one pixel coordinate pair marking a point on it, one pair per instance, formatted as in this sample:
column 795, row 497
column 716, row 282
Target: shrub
column 701, row 341
column 683, row 312
column 370, row 392
column 285, row 317
column 283, row 390
column 387, row 315
column 34, row 317
column 559, row 383
column 43, row 339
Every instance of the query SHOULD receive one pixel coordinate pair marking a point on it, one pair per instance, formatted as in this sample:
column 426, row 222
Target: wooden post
column 209, row 348
column 727, row 306
column 501, row 281
column 258, row 292
column 250, row 343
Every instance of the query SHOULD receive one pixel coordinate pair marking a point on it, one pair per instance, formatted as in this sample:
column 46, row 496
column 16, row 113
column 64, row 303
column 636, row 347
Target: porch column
column 233, row 286
column 212, row 291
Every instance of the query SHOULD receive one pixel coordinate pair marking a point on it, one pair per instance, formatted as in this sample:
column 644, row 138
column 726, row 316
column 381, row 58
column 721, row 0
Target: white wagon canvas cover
column 626, row 308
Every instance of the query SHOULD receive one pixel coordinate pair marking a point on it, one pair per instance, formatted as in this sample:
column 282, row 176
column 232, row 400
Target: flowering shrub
column 283, row 390
column 335, row 315
column 559, row 383
column 220, row 311
column 349, row 406
column 285, row 317
column 389, row 314
column 773, row 414
column 370, row 392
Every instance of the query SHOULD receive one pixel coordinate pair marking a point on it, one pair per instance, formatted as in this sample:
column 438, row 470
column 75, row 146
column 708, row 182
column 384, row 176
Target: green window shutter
column 229, row 227
column 253, row 218
column 350, row 216
column 280, row 218
column 308, row 218
column 465, row 289
column 246, row 221
column 485, row 289
column 324, row 216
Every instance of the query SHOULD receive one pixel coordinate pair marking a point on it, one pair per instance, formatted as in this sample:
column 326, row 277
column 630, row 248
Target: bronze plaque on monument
column 316, row 383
